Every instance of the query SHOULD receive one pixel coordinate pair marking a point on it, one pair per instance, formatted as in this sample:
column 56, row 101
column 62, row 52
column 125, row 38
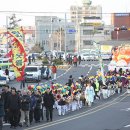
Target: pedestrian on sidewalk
column 75, row 60
column 22, row 84
column 79, row 59
column 29, row 60
column 33, row 57
column 47, row 72
column 7, row 71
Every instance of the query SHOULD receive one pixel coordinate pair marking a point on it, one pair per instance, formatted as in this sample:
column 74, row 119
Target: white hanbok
column 89, row 95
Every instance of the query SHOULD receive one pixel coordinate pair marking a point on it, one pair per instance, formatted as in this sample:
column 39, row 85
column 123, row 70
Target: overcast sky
column 108, row 6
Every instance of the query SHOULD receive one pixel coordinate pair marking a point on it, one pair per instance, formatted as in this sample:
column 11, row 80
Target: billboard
column 120, row 57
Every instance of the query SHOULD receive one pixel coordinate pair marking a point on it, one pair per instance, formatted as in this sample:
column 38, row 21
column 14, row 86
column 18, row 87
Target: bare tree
column 36, row 49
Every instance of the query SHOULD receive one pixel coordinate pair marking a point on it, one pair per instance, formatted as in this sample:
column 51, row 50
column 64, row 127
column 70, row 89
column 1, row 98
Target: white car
column 88, row 56
column 33, row 73
column 106, row 56
column 4, row 79
column 85, row 56
column 11, row 74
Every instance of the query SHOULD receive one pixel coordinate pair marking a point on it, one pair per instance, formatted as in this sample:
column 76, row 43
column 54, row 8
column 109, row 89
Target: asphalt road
column 86, row 67
column 108, row 114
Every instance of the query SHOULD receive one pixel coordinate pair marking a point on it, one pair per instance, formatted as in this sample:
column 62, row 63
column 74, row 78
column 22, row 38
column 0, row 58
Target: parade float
column 120, row 58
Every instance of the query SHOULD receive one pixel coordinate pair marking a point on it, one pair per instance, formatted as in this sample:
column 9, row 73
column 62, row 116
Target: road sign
column 72, row 31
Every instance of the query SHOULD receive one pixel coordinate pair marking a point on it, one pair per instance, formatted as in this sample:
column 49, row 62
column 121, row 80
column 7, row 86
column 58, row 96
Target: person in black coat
column 37, row 109
column 32, row 106
column 48, row 103
column 70, row 80
column 14, row 106
column 79, row 59
column 2, row 113
column 6, row 94
column 7, row 71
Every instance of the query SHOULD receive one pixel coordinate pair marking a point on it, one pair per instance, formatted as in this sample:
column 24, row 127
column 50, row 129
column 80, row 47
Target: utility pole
column 51, row 32
column 7, row 33
column 100, row 61
column 65, row 35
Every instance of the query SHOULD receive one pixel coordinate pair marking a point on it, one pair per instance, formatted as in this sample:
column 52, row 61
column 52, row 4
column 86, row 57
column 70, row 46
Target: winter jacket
column 70, row 81
column 14, row 102
column 2, row 113
column 75, row 59
column 25, row 103
column 38, row 101
column 6, row 96
column 54, row 69
column 48, row 100
column 33, row 102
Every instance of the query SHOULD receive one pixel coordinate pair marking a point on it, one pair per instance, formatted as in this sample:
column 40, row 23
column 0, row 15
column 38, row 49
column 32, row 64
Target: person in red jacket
column 75, row 60
column 54, row 71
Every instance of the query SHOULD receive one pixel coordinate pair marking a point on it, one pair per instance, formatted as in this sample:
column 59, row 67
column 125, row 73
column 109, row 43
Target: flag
column 18, row 54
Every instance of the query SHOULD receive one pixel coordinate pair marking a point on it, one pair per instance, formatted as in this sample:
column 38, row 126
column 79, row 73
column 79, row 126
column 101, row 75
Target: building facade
column 89, row 25
column 53, row 33
column 119, row 20
column 77, row 13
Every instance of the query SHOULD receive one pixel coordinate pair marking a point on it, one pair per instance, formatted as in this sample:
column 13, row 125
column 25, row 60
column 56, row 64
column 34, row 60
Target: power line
column 34, row 12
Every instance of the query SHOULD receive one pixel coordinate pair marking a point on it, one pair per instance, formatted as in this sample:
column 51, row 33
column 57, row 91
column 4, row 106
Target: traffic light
column 117, row 29
column 123, row 28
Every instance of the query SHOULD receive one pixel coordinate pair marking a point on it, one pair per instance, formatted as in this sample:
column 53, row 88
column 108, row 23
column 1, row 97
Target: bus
column 5, row 63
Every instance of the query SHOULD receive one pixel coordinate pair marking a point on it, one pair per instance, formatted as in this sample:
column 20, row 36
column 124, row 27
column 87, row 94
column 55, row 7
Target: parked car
column 85, row 56
column 11, row 74
column 4, row 79
column 33, row 73
column 106, row 56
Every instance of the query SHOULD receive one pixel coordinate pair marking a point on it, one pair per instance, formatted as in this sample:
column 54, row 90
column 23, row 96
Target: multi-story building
column 29, row 37
column 54, row 33
column 92, row 29
column 121, row 20
column 89, row 25
column 77, row 13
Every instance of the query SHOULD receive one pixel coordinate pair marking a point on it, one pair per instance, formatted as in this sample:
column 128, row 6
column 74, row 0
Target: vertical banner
column 17, row 53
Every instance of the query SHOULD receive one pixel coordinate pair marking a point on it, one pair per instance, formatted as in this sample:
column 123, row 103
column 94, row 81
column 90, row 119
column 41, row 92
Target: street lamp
column 51, row 35
column 60, row 33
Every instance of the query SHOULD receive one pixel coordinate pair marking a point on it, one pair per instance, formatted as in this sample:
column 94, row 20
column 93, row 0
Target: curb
column 63, row 66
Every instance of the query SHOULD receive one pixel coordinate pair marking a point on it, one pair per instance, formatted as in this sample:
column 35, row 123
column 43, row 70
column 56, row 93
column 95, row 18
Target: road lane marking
column 126, row 109
column 59, row 75
column 49, row 125
column 88, row 112
column 127, row 126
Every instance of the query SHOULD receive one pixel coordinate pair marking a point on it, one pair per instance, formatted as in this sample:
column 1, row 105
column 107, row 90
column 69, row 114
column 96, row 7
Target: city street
column 105, row 114
column 110, row 115
column 87, row 67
